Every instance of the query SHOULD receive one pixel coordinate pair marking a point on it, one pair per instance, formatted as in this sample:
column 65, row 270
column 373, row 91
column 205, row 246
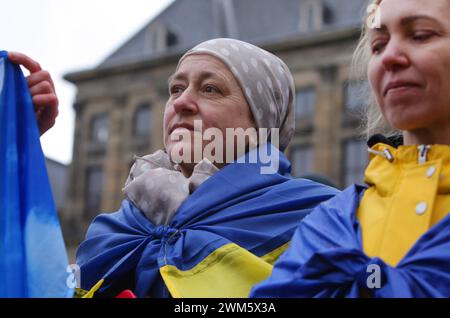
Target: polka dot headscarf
column 265, row 81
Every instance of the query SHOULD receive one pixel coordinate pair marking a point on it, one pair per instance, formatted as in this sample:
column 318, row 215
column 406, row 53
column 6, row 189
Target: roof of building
column 185, row 23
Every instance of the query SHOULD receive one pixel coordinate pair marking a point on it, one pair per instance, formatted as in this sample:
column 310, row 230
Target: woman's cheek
column 167, row 116
column 375, row 83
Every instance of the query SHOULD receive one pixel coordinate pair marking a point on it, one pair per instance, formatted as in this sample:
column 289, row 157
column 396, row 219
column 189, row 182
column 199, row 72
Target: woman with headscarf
column 391, row 239
column 210, row 227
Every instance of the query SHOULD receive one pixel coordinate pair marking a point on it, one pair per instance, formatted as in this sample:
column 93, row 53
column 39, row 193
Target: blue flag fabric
column 326, row 259
column 236, row 205
column 33, row 259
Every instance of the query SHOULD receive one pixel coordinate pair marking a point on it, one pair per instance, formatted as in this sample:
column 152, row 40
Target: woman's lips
column 181, row 126
column 400, row 87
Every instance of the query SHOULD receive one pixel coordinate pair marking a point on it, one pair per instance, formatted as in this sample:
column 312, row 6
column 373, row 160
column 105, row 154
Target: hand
column 42, row 91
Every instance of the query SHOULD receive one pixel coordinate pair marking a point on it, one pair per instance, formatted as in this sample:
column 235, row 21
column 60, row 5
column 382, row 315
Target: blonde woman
column 391, row 239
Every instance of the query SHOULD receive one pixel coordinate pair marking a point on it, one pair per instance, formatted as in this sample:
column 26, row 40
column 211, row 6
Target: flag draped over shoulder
column 33, row 259
column 326, row 259
column 223, row 239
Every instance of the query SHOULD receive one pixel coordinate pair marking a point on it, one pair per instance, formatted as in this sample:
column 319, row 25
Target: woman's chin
column 409, row 124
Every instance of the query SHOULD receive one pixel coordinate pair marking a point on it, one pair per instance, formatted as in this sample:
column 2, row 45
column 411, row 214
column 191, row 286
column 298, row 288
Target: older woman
column 393, row 238
column 201, row 222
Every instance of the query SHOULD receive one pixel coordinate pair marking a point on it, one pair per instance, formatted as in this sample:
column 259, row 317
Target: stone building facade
column 120, row 103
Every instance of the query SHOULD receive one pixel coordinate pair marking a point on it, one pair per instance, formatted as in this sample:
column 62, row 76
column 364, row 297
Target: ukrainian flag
column 222, row 241
column 33, row 259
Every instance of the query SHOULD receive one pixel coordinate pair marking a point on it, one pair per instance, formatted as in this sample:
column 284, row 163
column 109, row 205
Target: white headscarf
column 264, row 78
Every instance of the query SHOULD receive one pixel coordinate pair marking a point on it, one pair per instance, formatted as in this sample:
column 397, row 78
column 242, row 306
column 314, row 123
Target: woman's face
column 203, row 89
column 409, row 69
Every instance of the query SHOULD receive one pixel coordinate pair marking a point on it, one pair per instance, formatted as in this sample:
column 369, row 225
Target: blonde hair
column 373, row 121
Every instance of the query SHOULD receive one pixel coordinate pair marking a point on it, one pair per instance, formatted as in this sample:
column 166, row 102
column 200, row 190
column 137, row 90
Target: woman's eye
column 377, row 47
column 422, row 35
column 175, row 90
column 211, row 89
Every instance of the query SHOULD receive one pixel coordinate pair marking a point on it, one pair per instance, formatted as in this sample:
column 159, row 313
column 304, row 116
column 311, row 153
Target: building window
column 142, row 121
column 311, row 15
column 99, row 129
column 305, row 103
column 159, row 38
column 355, row 162
column 171, row 39
column 94, row 190
column 301, row 160
column 355, row 96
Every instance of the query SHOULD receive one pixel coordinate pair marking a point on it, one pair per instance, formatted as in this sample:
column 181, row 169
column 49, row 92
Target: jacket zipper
column 423, row 153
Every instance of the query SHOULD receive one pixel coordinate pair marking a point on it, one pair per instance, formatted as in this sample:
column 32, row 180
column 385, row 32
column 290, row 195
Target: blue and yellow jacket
column 409, row 192
column 391, row 240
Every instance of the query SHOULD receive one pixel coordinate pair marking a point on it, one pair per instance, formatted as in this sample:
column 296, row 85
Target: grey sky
column 70, row 35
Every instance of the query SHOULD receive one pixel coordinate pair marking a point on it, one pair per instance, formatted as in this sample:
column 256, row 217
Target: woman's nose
column 185, row 103
column 394, row 56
